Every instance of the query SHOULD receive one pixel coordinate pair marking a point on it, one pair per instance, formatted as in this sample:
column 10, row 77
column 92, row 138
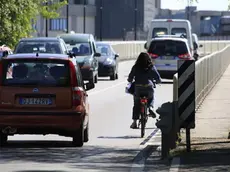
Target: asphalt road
column 113, row 146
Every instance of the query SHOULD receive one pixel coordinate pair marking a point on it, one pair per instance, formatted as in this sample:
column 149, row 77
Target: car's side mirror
column 97, row 54
column 5, row 53
column 88, row 86
column 200, row 45
column 71, row 54
column 116, row 56
column 145, row 45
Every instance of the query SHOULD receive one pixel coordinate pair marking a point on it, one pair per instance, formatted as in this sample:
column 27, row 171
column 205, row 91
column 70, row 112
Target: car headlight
column 87, row 63
column 108, row 61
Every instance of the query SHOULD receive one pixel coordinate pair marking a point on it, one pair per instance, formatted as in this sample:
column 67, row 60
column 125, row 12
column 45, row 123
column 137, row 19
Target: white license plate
column 168, row 58
column 35, row 101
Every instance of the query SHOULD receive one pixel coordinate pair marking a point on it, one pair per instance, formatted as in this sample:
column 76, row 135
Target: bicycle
column 143, row 114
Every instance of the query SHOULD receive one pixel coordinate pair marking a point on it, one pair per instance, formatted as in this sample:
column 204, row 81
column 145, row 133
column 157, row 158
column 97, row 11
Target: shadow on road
column 119, row 137
column 207, row 156
column 57, row 154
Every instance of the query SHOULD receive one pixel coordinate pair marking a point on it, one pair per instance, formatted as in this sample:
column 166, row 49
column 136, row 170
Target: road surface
column 113, row 146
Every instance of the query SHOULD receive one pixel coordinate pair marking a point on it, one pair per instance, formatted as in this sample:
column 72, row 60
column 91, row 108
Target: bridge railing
column 131, row 49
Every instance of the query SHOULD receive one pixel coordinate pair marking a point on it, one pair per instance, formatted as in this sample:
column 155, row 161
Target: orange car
column 43, row 94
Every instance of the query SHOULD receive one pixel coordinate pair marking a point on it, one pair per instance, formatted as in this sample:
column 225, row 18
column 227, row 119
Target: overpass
column 113, row 146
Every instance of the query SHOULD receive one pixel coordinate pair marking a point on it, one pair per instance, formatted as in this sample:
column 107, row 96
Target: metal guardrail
column 131, row 49
column 209, row 69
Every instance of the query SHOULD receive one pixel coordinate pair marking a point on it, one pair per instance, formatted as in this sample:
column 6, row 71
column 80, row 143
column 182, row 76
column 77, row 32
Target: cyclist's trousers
column 142, row 91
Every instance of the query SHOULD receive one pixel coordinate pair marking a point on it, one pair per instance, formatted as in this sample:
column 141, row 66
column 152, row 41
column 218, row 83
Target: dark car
column 84, row 49
column 44, row 95
column 108, row 62
column 50, row 45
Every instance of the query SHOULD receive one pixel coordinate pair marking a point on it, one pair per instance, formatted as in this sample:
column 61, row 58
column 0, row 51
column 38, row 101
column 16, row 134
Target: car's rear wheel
column 95, row 78
column 86, row 133
column 78, row 138
column 116, row 75
column 3, row 139
column 113, row 76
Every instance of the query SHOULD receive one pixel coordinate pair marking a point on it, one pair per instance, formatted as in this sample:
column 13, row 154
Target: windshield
column 81, row 49
column 103, row 49
column 179, row 31
column 36, row 73
column 159, row 31
column 168, row 47
column 39, row 46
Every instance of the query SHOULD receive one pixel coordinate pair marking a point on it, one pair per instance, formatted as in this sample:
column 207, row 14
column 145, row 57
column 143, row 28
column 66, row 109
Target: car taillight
column 77, row 96
column 154, row 56
column 76, row 92
column 73, row 76
column 1, row 73
column 184, row 56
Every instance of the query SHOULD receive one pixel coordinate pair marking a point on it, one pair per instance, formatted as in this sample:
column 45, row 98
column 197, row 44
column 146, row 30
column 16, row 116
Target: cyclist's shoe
column 134, row 125
column 151, row 112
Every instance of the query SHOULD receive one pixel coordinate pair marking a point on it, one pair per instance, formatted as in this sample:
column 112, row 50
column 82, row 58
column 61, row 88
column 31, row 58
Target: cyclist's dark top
column 144, row 76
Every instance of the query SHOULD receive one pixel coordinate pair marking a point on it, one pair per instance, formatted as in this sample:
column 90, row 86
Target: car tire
column 95, row 78
column 86, row 133
column 78, row 138
column 116, row 75
column 3, row 139
column 92, row 83
column 113, row 76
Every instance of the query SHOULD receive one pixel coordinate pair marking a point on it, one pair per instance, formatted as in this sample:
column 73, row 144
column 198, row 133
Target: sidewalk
column 209, row 140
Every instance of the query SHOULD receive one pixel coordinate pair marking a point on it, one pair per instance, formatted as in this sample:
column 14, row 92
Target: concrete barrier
column 209, row 69
column 131, row 49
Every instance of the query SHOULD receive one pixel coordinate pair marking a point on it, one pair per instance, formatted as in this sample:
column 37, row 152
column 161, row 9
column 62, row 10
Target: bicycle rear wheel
column 143, row 120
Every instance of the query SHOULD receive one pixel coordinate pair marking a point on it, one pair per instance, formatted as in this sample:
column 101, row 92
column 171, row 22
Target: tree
column 16, row 17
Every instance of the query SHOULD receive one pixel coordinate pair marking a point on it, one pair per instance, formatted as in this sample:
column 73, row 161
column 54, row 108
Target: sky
column 221, row 5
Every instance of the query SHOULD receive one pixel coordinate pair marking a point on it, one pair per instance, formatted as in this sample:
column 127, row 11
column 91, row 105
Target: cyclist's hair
column 144, row 61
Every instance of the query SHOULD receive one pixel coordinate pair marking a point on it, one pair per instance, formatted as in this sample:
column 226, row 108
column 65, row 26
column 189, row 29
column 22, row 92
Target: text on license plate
column 35, row 101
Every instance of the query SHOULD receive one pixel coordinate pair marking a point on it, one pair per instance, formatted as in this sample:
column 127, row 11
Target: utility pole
column 46, row 20
column 188, row 9
column 135, row 20
column 101, row 19
column 67, row 17
column 84, row 15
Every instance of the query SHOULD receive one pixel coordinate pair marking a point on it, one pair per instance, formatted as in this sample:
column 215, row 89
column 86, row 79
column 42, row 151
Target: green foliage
column 16, row 17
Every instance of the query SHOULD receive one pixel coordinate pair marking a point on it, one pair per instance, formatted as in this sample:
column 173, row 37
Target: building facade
column 116, row 18
column 76, row 19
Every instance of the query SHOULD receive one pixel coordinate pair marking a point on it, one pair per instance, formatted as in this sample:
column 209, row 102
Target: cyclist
column 144, row 74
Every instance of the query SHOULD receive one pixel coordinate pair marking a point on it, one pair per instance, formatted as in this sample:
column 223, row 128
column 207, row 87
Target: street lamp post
column 84, row 15
column 135, row 20
column 67, row 17
column 101, row 19
column 188, row 9
column 46, row 20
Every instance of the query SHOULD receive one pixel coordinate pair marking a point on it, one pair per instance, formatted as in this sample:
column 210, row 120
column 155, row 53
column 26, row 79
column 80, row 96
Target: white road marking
column 175, row 165
column 139, row 163
column 108, row 88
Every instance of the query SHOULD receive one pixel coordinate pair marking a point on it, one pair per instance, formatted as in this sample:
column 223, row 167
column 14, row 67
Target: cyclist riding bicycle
column 144, row 74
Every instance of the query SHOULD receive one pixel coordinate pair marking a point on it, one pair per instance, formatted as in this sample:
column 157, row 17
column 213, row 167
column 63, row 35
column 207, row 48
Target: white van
column 170, row 27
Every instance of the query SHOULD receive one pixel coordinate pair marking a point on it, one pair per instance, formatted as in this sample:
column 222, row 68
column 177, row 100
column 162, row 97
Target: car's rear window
column 39, row 46
column 159, row 31
column 179, row 31
column 36, row 73
column 168, row 47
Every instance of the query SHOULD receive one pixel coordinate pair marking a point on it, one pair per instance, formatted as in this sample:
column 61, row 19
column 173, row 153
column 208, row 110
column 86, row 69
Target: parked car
column 43, row 94
column 84, row 48
column 50, row 45
column 108, row 62
column 5, row 51
column 165, row 51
